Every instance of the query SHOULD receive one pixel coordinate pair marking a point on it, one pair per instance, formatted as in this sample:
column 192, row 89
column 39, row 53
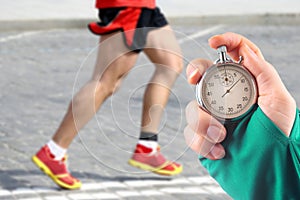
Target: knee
column 94, row 93
column 106, row 88
column 177, row 65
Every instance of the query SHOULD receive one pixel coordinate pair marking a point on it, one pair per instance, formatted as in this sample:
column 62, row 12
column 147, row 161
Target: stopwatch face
column 227, row 91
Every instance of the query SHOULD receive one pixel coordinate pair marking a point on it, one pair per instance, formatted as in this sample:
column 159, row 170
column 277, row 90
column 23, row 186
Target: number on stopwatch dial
column 227, row 91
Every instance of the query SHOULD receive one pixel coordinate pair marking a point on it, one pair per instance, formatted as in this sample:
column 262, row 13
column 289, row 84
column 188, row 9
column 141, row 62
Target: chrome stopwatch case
column 227, row 90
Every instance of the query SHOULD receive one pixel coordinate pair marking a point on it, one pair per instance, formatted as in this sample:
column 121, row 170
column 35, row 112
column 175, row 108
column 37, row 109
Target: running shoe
column 153, row 160
column 56, row 169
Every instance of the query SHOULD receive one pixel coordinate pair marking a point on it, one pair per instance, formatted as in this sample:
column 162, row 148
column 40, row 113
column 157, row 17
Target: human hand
column 203, row 132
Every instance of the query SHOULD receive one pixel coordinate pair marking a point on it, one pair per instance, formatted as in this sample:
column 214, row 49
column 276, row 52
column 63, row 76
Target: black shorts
column 135, row 23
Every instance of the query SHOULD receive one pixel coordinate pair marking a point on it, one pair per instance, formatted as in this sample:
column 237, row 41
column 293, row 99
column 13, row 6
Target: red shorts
column 135, row 23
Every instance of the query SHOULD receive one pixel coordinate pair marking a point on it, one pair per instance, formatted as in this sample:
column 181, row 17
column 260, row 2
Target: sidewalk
column 47, row 14
column 38, row 71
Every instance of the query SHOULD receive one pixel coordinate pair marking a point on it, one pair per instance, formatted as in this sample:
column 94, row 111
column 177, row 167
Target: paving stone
column 37, row 76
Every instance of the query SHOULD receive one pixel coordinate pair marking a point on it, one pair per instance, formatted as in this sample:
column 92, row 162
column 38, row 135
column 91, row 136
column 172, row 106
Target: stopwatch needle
column 225, row 74
column 227, row 91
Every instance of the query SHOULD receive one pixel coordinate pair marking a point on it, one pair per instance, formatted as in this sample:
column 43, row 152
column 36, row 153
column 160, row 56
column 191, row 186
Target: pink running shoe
column 152, row 160
column 55, row 169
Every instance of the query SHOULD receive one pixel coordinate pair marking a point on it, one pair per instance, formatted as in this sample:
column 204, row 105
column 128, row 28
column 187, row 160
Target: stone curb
column 264, row 19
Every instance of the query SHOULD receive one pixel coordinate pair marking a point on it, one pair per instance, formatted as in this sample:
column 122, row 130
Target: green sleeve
column 261, row 162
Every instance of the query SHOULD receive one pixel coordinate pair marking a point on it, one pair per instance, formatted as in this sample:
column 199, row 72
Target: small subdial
column 226, row 79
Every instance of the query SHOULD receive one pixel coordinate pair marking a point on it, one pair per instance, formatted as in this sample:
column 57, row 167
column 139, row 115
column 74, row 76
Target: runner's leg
column 113, row 62
column 163, row 50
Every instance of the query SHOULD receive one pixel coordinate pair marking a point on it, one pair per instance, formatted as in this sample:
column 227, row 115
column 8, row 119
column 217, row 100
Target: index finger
column 237, row 46
column 234, row 42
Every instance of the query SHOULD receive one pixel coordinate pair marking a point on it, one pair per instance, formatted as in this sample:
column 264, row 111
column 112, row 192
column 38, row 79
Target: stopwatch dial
column 228, row 91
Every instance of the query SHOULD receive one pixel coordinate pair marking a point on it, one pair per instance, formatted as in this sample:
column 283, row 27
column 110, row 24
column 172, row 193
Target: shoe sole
column 155, row 170
column 48, row 172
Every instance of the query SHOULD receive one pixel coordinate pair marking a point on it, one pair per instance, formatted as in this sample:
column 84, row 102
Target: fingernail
column 214, row 133
column 217, row 152
column 192, row 73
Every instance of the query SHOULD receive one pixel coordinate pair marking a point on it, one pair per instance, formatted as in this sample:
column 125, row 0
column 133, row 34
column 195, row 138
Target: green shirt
column 261, row 162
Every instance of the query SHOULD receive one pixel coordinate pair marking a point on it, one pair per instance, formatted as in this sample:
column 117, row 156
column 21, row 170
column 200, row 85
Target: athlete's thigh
column 114, row 59
column 162, row 47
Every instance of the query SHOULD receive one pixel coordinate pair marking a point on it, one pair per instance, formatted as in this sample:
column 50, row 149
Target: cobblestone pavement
column 41, row 69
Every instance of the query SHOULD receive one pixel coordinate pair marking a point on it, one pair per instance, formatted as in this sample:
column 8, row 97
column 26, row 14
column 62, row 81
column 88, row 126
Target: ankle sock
column 148, row 136
column 149, row 140
column 149, row 144
column 57, row 151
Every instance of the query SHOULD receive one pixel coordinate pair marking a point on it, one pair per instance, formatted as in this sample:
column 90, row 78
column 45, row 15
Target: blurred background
column 77, row 9
column 46, row 52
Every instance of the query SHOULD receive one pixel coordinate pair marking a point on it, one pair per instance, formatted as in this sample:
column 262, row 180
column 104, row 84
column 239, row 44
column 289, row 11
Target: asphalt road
column 40, row 70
